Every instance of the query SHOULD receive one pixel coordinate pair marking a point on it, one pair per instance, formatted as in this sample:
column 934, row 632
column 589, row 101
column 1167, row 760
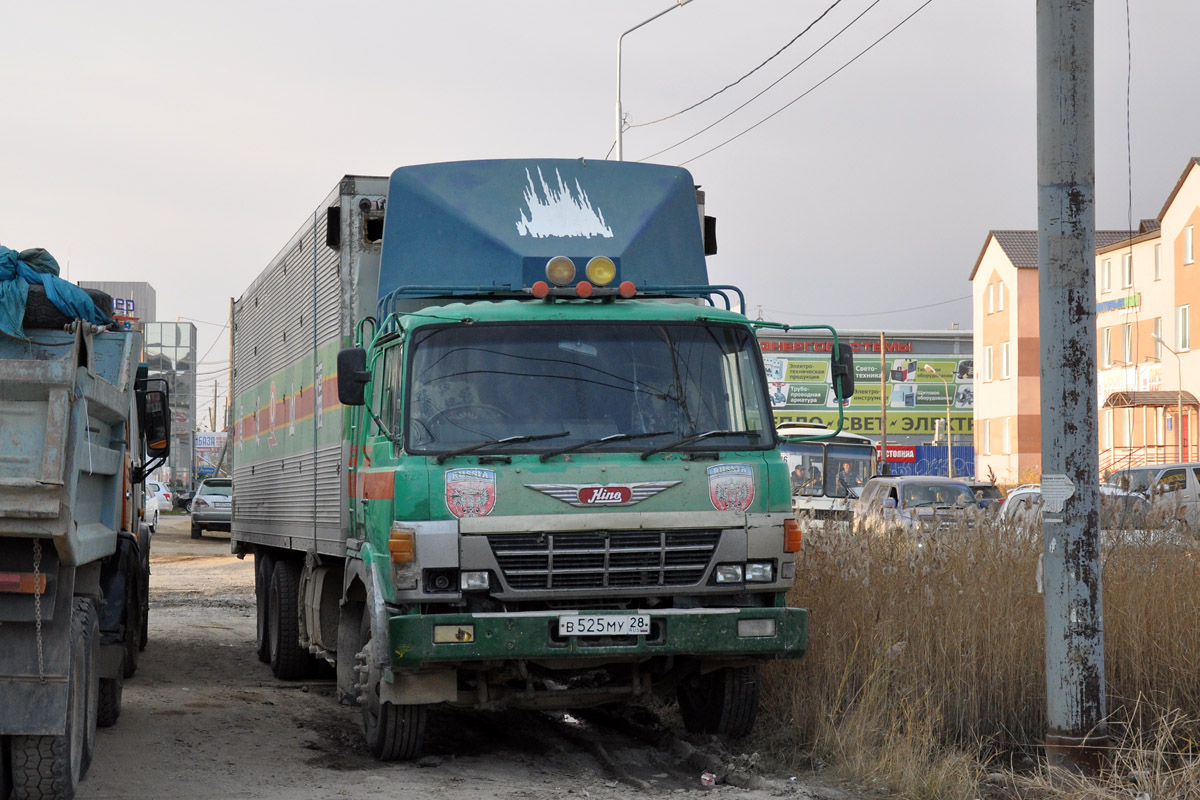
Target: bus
column 826, row 474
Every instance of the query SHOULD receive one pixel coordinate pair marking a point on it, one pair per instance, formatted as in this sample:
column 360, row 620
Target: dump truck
column 500, row 443
column 81, row 426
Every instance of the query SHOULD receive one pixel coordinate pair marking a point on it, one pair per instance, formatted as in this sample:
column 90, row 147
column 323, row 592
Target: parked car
column 183, row 498
column 915, row 503
column 162, row 494
column 988, row 494
column 1120, row 509
column 1172, row 488
column 150, row 514
column 212, row 507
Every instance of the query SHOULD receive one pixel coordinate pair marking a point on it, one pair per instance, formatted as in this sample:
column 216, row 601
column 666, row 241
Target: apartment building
column 1146, row 286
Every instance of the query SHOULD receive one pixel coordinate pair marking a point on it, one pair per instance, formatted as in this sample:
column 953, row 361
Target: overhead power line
column 770, row 86
column 795, row 39
column 876, row 313
column 812, row 89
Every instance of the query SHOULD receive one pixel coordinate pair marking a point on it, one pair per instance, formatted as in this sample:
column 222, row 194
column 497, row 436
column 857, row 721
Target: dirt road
column 203, row 718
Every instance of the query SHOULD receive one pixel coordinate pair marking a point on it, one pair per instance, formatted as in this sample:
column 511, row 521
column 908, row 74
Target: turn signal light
column 401, row 546
column 791, row 536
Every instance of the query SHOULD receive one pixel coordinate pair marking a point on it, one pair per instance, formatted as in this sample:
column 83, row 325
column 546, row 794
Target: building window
column 1158, row 262
column 1187, row 245
column 999, row 296
column 1106, row 275
column 986, row 444
column 1183, row 337
column 1127, row 270
column 991, row 298
column 1127, row 344
column 987, row 364
column 1105, row 348
column 1106, row 435
column 1158, row 338
column 1127, row 413
column 1004, row 362
column 1006, row 437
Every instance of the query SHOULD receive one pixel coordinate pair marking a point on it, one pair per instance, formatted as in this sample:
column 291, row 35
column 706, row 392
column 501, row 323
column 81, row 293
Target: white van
column 1176, row 484
column 827, row 474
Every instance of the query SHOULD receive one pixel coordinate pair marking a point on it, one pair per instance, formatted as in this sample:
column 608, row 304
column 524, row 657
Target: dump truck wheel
column 51, row 766
column 264, row 563
column 288, row 660
column 133, row 624
column 109, row 706
column 724, row 701
column 393, row 732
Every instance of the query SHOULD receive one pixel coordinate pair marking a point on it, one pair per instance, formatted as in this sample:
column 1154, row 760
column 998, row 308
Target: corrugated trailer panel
column 289, row 484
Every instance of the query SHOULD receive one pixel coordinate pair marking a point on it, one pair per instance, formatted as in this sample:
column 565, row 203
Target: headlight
column 729, row 573
column 474, row 581
column 760, row 571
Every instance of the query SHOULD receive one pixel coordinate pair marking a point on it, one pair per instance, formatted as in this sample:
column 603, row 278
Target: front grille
column 600, row 559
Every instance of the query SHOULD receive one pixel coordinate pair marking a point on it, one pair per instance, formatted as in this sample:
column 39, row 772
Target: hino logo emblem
column 586, row 495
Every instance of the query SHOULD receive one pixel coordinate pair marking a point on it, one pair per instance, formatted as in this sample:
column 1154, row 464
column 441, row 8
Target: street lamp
column 949, row 452
column 678, row 3
column 1179, row 398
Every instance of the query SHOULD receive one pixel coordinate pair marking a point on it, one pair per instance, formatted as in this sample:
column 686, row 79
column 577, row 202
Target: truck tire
column 52, row 766
column 133, row 622
column 144, row 593
column 264, row 562
column 393, row 732
column 40, row 313
column 108, row 709
column 288, row 660
column 724, row 701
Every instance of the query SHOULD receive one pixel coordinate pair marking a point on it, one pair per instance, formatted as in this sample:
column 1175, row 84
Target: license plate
column 604, row 625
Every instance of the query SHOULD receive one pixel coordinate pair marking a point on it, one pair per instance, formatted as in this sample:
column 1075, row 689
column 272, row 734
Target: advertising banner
column 208, row 453
column 915, row 387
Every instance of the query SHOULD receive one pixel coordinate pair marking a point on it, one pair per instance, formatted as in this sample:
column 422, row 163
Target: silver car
column 915, row 503
column 212, row 506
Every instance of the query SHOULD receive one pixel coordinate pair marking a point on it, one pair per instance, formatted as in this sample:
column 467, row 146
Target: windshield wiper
column 616, row 437
column 695, row 437
column 462, row 451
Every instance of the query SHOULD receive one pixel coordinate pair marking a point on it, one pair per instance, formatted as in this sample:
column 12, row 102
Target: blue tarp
column 18, row 270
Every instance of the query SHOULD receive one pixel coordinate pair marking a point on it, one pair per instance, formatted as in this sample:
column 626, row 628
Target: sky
column 184, row 145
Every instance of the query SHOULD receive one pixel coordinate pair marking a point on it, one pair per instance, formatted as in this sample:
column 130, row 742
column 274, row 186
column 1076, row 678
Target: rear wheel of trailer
column 45, row 767
column 288, row 659
column 264, row 562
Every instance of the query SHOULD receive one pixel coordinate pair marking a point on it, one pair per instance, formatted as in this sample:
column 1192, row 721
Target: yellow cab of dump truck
column 500, row 443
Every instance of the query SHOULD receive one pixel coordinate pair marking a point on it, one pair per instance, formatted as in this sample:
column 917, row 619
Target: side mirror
column 889, row 502
column 157, row 424
column 842, row 371
column 353, row 376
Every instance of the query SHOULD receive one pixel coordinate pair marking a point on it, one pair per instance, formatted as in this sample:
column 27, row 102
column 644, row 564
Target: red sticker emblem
column 731, row 486
column 605, row 495
column 470, row 492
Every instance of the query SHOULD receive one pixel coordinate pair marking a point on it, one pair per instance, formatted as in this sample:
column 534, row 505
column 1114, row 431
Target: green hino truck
column 500, row 443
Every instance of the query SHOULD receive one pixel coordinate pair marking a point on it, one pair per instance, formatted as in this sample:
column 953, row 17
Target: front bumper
column 710, row 632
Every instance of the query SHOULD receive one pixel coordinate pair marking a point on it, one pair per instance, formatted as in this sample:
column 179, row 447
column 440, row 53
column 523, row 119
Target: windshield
column 937, row 494
column 470, row 385
column 224, row 488
column 1134, row 480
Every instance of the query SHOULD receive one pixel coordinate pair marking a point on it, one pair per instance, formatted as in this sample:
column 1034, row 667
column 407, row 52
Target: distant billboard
column 208, row 453
column 912, row 380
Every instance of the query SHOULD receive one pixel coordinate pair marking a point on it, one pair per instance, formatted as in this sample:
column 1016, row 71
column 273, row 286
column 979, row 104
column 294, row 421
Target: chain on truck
column 82, row 427
column 500, row 443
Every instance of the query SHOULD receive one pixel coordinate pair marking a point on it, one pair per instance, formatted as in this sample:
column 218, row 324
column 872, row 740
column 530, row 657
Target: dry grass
column 926, row 659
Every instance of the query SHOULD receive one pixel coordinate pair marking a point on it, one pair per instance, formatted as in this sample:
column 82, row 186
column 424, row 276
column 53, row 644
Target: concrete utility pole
column 1075, row 702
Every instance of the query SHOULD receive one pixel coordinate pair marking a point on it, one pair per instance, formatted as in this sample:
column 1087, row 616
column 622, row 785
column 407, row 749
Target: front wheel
column 724, row 701
column 393, row 732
